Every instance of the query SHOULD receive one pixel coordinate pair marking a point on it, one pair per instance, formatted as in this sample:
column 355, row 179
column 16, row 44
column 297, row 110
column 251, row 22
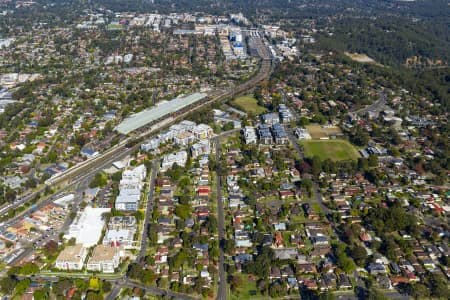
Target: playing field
column 249, row 104
column 330, row 149
column 115, row 27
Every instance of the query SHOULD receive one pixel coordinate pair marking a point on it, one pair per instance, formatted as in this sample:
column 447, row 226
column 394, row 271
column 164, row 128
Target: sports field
column 248, row 104
column 330, row 149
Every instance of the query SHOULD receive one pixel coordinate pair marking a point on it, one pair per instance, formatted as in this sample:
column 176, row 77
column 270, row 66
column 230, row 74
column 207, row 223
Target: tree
column 374, row 294
column 93, row 295
column 7, row 285
column 183, row 211
column 388, row 247
column 51, row 248
column 62, row 285
column 28, row 269
column 22, row 286
column 360, row 137
column 261, row 265
column 439, row 287
column 229, row 246
column 418, row 291
column 235, row 282
column 99, row 180
column 211, row 224
column 359, row 254
column 10, row 195
column 42, row 294
column 135, row 271
column 326, row 296
column 373, row 160
column 228, row 126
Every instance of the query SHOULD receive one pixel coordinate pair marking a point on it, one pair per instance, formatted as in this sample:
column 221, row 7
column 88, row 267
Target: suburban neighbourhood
column 173, row 153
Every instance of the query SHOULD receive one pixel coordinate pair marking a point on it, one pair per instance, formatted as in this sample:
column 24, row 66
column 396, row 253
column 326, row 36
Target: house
column 319, row 240
column 287, row 272
column 88, row 152
column 104, row 259
column 279, row 226
column 275, row 273
column 285, row 114
column 309, row 283
column 285, row 253
column 396, row 280
column 328, row 281
column 71, row 258
column 384, row 282
column 292, row 283
column 344, row 282
column 243, row 258
column 279, row 243
column 377, row 268
column 306, row 268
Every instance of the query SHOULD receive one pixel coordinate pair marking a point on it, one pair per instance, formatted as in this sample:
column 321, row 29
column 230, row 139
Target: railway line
column 129, row 144
column 111, row 155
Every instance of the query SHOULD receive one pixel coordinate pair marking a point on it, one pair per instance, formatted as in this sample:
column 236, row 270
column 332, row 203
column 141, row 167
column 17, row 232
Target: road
column 88, row 168
column 81, row 173
column 319, row 200
column 377, row 106
column 148, row 211
column 52, row 233
column 222, row 291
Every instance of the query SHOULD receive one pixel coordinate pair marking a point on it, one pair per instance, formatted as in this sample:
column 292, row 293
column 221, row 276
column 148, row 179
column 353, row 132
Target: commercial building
column 162, row 109
column 71, row 258
column 87, row 227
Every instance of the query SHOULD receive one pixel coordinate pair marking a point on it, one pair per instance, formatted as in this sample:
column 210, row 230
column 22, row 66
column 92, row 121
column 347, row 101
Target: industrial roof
column 160, row 110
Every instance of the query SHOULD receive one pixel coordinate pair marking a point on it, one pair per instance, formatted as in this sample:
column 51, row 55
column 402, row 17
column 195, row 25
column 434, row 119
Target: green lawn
column 115, row 27
column 249, row 104
column 248, row 290
column 332, row 149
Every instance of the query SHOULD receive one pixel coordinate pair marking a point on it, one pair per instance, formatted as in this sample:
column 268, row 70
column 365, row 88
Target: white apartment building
column 71, row 258
column 104, row 259
column 179, row 158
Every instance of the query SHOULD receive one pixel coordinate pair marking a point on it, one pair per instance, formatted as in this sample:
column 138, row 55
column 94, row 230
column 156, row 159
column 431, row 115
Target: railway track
column 92, row 165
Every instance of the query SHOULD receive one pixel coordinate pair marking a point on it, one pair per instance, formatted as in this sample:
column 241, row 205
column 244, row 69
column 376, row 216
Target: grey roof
column 149, row 115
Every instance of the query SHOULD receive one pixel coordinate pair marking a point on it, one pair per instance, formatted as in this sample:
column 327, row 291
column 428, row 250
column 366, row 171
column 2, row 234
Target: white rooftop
column 87, row 228
column 160, row 110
